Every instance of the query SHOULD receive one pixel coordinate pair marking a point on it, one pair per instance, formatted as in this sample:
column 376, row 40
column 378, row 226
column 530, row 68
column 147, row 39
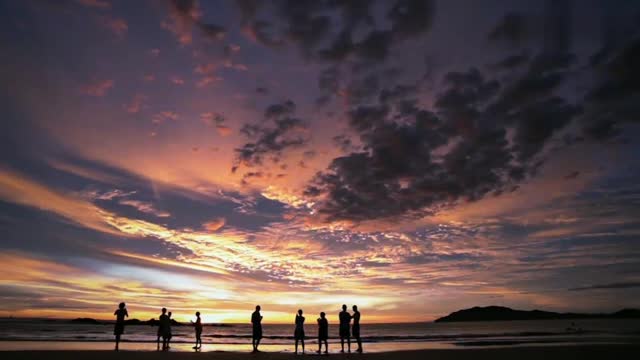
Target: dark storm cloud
column 278, row 132
column 494, row 130
column 615, row 99
column 325, row 30
column 343, row 142
column 279, row 110
column 511, row 30
column 511, row 62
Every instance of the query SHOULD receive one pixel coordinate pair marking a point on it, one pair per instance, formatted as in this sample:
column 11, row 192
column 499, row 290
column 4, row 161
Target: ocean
column 45, row 334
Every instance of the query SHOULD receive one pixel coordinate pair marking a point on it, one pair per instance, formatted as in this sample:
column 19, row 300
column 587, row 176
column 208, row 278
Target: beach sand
column 519, row 353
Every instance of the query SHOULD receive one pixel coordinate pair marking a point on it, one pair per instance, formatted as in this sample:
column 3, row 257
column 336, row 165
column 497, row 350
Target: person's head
column 322, row 315
column 344, row 307
column 198, row 313
column 258, row 307
column 122, row 305
column 300, row 312
column 169, row 314
column 164, row 310
column 355, row 307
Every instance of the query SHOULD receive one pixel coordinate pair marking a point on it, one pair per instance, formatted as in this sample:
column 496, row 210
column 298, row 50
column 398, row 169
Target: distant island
column 150, row 322
column 500, row 313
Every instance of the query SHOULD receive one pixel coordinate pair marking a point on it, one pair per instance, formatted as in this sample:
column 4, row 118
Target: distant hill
column 500, row 313
column 86, row 321
column 152, row 322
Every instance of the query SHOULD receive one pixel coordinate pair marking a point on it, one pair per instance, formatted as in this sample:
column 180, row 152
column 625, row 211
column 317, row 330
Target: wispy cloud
column 98, row 87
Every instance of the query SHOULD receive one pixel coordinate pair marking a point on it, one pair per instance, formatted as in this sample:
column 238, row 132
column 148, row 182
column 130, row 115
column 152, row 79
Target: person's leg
column 359, row 344
column 319, row 344
column 296, row 346
column 117, row 341
column 302, row 340
column 342, row 343
column 349, row 343
column 326, row 346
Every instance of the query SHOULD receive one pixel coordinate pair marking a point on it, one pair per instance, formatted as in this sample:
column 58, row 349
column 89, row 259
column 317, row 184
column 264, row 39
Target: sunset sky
column 411, row 157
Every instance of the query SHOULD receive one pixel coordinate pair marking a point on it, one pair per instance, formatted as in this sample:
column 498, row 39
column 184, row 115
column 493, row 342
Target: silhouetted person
column 168, row 330
column 323, row 333
column 298, row 334
column 120, row 314
column 345, row 320
column 162, row 323
column 256, row 321
column 198, row 327
column 355, row 329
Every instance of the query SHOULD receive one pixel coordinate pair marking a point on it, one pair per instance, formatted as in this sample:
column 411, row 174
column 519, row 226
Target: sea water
column 49, row 334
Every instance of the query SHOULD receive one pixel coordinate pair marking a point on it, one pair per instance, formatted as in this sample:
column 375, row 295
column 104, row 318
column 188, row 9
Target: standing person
column 198, row 326
column 323, row 333
column 120, row 313
column 162, row 332
column 256, row 321
column 355, row 329
column 345, row 320
column 298, row 334
column 168, row 330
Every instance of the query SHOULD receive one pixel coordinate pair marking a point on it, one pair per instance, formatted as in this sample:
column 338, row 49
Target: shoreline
column 522, row 353
column 244, row 348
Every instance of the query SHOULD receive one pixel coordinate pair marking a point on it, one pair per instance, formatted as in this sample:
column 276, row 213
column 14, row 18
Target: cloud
column 224, row 130
column 184, row 16
column 269, row 139
column 309, row 25
column 164, row 116
column 481, row 137
column 214, row 225
column 511, row 30
column 212, row 118
column 99, row 4
column 16, row 188
column 98, row 87
column 608, row 286
column 176, row 80
column 117, row 26
column 208, row 80
column 614, row 99
column 144, row 207
column 136, row 104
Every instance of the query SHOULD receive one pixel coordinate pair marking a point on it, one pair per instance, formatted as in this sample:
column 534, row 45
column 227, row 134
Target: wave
column 366, row 339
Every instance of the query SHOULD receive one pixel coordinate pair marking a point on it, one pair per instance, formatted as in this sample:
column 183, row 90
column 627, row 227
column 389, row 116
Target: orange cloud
column 214, row 225
column 98, row 87
column 18, row 189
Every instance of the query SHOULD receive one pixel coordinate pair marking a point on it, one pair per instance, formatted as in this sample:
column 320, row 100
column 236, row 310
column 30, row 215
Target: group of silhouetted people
column 346, row 329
